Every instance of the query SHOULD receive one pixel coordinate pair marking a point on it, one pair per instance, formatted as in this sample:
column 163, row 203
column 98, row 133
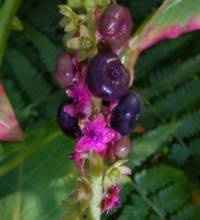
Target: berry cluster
column 100, row 112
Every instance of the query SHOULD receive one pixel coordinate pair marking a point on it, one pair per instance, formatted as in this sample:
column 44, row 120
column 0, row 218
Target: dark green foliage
column 46, row 49
column 151, row 143
column 179, row 154
column 190, row 125
column 194, row 147
column 186, row 95
column 188, row 213
column 165, row 159
column 157, row 55
column 137, row 209
column 27, row 77
column 40, row 181
column 149, row 181
column 172, row 197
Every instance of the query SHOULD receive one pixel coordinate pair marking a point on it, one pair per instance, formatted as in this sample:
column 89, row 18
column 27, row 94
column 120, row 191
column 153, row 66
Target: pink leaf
column 9, row 127
column 173, row 18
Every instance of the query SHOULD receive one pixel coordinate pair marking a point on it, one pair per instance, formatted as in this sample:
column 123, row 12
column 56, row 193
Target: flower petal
column 111, row 199
column 84, row 144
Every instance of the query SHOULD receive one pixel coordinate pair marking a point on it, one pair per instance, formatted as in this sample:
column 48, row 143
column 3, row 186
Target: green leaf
column 171, row 76
column 160, row 53
column 47, row 50
column 178, row 154
column 173, row 197
column 37, row 187
column 154, row 217
column 138, row 209
column 188, row 213
column 194, row 147
column 150, row 143
column 186, row 95
column 156, row 178
column 190, row 125
column 28, row 77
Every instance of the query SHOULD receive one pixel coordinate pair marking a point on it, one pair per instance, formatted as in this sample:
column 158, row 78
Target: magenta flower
column 82, row 98
column 111, row 199
column 96, row 136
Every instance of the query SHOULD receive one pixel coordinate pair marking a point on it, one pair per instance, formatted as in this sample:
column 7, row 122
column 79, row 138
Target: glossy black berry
column 107, row 76
column 126, row 113
column 67, row 123
column 115, row 25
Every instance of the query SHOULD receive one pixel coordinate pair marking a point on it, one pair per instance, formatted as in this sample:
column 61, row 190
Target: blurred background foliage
column 165, row 158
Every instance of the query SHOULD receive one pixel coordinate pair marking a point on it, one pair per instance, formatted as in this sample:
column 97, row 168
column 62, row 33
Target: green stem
column 96, row 179
column 7, row 12
column 95, row 209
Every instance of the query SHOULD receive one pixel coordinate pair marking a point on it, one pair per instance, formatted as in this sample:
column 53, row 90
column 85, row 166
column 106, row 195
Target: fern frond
column 173, row 197
column 127, row 213
column 178, row 154
column 40, row 18
column 29, row 79
column 188, row 213
column 47, row 50
column 194, row 147
column 154, row 217
column 156, row 55
column 158, row 177
column 49, row 109
column 190, row 125
column 151, row 143
column 138, row 209
column 169, row 77
column 177, row 101
column 14, row 95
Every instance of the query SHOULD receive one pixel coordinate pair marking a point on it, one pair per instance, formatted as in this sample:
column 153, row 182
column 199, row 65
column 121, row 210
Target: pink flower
column 111, row 199
column 82, row 98
column 97, row 136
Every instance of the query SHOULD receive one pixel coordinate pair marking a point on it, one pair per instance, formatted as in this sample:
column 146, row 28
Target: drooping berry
column 123, row 147
column 107, row 76
column 126, row 113
column 115, row 25
column 64, row 70
column 67, row 123
column 120, row 150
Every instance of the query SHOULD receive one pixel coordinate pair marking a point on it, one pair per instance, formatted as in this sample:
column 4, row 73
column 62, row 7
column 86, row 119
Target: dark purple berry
column 126, row 113
column 115, row 25
column 107, row 76
column 67, row 123
column 64, row 70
